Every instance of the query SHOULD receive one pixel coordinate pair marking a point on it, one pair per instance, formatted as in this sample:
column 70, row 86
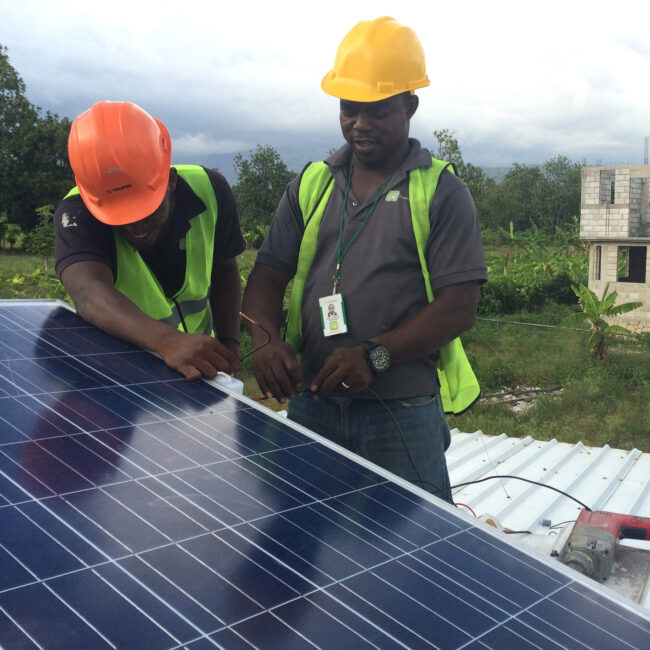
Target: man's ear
column 412, row 103
column 173, row 177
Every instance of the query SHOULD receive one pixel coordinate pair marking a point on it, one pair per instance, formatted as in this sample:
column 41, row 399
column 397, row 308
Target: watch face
column 379, row 359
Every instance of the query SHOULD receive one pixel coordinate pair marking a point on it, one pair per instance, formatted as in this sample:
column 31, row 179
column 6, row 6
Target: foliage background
column 34, row 166
column 529, row 221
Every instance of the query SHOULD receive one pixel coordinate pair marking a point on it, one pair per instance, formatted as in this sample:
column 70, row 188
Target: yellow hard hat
column 375, row 60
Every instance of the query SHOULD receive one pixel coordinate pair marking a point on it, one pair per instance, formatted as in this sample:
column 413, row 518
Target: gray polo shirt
column 380, row 277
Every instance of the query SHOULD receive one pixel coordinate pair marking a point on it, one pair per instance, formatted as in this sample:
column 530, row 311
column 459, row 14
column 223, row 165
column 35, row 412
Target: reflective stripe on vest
column 459, row 388
column 191, row 303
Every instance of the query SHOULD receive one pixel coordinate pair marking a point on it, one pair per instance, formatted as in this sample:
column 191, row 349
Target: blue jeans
column 405, row 436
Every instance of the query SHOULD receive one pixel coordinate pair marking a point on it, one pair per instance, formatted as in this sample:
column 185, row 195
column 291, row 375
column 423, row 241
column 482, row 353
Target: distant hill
column 496, row 173
column 294, row 158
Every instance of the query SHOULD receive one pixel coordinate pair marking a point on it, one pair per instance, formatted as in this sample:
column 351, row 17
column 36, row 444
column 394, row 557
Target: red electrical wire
column 465, row 506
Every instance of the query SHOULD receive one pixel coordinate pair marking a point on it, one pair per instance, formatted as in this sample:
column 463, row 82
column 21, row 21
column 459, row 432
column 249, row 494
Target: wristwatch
column 377, row 356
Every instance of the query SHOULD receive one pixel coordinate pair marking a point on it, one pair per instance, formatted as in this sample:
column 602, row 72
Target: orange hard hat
column 120, row 156
column 376, row 60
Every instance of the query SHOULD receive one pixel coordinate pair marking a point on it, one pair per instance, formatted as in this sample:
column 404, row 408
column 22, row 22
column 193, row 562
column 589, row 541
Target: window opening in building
column 597, row 258
column 631, row 263
column 607, row 192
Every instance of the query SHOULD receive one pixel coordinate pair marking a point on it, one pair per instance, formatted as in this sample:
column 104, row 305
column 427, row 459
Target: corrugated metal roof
column 600, row 477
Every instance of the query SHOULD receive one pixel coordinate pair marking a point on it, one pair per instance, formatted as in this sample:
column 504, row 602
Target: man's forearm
column 225, row 300
column 449, row 315
column 263, row 301
column 109, row 310
column 90, row 285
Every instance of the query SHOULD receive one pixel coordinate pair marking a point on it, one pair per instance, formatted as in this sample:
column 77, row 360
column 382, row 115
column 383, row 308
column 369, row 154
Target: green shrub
column 254, row 235
column 38, row 283
column 499, row 296
column 40, row 239
column 559, row 289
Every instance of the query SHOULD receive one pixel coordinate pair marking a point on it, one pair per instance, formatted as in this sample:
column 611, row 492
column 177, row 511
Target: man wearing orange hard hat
column 147, row 251
column 383, row 244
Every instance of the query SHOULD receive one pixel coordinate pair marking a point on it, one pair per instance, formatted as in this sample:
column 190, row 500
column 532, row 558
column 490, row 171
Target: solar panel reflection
column 139, row 510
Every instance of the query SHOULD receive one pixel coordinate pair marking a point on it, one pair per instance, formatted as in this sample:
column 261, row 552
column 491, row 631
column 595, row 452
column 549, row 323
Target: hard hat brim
column 356, row 91
column 128, row 210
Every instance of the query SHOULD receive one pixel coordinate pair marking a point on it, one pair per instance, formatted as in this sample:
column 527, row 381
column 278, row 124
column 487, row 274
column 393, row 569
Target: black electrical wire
column 259, row 347
column 527, row 480
column 406, row 449
column 507, row 531
column 570, row 521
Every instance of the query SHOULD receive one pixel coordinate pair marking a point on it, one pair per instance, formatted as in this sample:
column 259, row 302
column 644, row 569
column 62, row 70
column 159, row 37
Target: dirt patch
column 520, row 398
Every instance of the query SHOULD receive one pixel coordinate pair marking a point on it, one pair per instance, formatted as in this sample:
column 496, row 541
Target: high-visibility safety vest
column 459, row 388
column 189, row 308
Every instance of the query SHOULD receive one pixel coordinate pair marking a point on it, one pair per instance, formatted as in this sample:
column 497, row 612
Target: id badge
column 332, row 315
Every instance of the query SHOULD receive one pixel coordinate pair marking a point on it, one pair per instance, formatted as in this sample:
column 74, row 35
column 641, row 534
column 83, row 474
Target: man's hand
column 275, row 364
column 277, row 371
column 345, row 370
column 196, row 355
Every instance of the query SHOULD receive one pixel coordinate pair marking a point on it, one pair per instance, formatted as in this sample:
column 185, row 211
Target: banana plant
column 595, row 311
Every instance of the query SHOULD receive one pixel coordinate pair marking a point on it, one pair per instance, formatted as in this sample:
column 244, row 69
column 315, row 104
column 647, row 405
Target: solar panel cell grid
column 139, row 510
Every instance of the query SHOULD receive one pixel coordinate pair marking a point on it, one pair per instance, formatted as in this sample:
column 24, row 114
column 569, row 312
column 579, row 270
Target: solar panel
column 140, row 510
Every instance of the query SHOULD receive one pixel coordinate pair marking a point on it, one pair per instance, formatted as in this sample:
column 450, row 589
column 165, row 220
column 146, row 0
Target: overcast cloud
column 517, row 81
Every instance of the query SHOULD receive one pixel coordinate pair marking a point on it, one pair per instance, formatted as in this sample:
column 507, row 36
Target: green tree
column 596, row 311
column 545, row 197
column 446, row 148
column 9, row 232
column 559, row 192
column 34, row 168
column 479, row 185
column 40, row 239
column 15, row 113
column 261, row 181
column 522, row 184
column 499, row 207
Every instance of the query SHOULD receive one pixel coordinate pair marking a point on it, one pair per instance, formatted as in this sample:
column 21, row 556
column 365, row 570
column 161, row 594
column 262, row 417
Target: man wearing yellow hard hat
column 147, row 251
column 383, row 244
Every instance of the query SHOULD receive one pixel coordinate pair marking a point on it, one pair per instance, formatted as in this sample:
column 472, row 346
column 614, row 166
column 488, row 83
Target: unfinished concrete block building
column 615, row 221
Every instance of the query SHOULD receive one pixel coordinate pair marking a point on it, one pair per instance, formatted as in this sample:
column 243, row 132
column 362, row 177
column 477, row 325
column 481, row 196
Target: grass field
column 24, row 276
column 599, row 403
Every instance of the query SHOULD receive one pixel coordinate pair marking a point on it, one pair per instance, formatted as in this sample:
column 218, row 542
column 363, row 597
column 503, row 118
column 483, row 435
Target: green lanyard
column 339, row 255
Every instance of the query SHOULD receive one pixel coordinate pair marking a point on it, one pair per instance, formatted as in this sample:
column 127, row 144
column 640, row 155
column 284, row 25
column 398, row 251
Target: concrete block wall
column 605, row 186
column 644, row 208
column 636, row 186
column 604, row 221
column 639, row 319
column 590, row 188
column 628, row 215
column 622, row 185
column 610, row 267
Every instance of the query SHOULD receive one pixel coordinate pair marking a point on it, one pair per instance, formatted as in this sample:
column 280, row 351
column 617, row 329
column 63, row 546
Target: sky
column 515, row 81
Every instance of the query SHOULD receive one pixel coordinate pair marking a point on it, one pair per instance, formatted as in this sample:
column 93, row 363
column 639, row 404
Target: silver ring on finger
column 344, row 385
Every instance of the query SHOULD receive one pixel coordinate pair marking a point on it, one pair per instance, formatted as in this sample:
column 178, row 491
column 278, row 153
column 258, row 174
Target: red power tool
column 592, row 545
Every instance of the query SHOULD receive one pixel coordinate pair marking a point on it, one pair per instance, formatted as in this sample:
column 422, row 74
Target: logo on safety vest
column 394, row 196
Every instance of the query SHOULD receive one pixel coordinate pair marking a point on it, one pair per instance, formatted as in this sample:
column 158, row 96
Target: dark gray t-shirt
column 380, row 277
